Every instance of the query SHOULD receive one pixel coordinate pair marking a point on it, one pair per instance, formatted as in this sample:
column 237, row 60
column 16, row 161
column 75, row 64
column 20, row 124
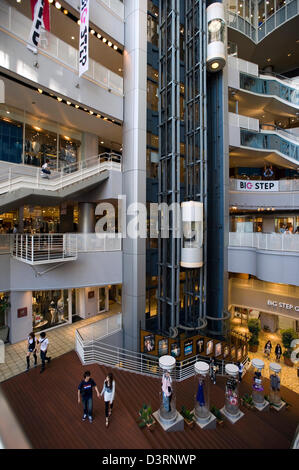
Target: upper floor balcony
column 256, row 19
column 271, row 257
column 56, row 66
column 253, row 194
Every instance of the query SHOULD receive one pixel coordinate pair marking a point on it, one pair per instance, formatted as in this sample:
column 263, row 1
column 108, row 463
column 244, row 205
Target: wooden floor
column 47, row 409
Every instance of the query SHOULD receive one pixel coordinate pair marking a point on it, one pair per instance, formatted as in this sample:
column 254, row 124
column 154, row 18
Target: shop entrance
column 103, row 299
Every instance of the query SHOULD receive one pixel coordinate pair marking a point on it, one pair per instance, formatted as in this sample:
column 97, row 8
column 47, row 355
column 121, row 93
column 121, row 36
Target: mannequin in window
column 166, row 390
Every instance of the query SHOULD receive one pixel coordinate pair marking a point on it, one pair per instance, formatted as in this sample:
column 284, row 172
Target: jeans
column 87, row 406
column 107, row 406
column 44, row 358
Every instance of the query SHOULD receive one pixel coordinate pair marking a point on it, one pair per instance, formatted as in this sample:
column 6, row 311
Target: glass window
column 69, row 151
column 216, row 30
column 152, row 95
column 261, row 12
column 40, row 144
column 4, row 307
column 49, row 308
column 11, row 139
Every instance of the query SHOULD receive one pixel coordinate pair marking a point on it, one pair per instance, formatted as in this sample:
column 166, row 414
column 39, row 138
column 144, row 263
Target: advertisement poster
column 209, row 347
column 163, row 347
column 225, row 351
column 200, row 344
column 188, row 347
column 149, row 343
column 175, row 349
column 218, row 349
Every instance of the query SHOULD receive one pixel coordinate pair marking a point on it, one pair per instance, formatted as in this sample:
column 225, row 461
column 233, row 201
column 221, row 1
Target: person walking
column 109, row 392
column 85, row 391
column 267, row 350
column 31, row 341
column 43, row 344
column 213, row 370
column 278, row 352
column 240, row 367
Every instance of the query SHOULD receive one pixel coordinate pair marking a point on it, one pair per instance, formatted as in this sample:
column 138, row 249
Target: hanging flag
column 38, row 22
column 83, row 39
column 46, row 13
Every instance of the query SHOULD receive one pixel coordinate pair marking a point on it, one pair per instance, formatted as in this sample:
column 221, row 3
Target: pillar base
column 208, row 423
column 177, row 425
column 279, row 407
column 232, row 418
column 263, row 406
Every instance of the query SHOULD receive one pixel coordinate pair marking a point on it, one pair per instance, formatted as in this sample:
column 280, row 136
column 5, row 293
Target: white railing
column 19, row 25
column 115, row 5
column 20, row 177
column 265, row 241
column 44, row 248
column 290, row 185
column 237, row 120
column 90, row 350
column 89, row 242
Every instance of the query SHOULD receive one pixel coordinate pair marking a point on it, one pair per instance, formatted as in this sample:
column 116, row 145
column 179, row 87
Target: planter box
column 288, row 361
column 190, row 424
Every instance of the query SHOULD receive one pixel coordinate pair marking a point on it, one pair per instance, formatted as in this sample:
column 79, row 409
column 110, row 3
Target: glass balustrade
column 271, row 142
column 265, row 86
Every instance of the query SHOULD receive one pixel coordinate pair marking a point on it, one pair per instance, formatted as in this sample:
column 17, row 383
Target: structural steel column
column 134, row 166
column 86, row 222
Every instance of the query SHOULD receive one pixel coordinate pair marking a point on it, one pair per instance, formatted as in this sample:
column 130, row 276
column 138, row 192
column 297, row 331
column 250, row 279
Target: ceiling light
column 109, row 43
column 120, row 148
column 58, row 5
column 78, row 22
column 105, row 118
column 65, row 11
column 37, row 128
column 67, row 137
column 102, row 142
column 7, row 112
column 119, row 70
column 104, row 40
column 99, row 36
column 19, row 1
column 50, row 1
column 289, row 54
column 40, row 90
column 268, row 60
column 92, row 31
column 115, row 48
column 68, row 103
column 98, row 115
column 59, row 99
column 215, row 65
column 73, row 37
column 90, row 112
column 76, row 106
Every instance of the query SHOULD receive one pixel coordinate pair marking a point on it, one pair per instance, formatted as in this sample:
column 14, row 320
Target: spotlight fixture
column 50, row 1
column 102, row 142
column 98, row 116
column 92, row 31
column 79, row 22
column 65, row 12
column 59, row 99
column 215, row 65
column 109, row 43
column 40, row 90
column 115, row 48
column 104, row 40
column 77, row 106
column 58, row 5
column 90, row 112
column 68, row 103
column 99, row 36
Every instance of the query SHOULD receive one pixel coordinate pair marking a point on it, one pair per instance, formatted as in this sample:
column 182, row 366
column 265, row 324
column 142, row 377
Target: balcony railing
column 19, row 25
column 265, row 241
column 271, row 141
column 116, row 6
column 290, row 185
column 270, row 87
column 44, row 248
column 89, row 242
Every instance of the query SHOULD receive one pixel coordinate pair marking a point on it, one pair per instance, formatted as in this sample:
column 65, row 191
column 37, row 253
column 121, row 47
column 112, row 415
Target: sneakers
column 84, row 417
column 90, row 419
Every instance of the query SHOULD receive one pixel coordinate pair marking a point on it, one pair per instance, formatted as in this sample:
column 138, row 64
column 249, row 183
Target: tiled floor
column 61, row 341
column 289, row 377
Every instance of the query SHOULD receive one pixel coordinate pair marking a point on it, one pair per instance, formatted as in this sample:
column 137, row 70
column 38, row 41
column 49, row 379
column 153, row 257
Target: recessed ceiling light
column 102, row 142
column 59, row 99
column 109, row 43
column 90, row 112
column 77, row 106
column 73, row 37
column 105, row 118
column 115, row 48
column 269, row 60
column 7, row 112
column 58, row 5
column 104, row 40
column 65, row 11
column 92, row 31
column 99, row 36
column 289, row 54
column 40, row 90
column 98, row 116
column 78, row 22
column 68, row 103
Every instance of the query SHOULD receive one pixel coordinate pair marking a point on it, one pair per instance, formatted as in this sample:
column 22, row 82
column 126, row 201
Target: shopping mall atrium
column 149, row 222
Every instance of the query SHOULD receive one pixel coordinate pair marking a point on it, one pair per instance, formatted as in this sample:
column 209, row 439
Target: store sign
column 283, row 305
column 22, row 312
column 37, row 24
column 268, row 186
column 83, row 39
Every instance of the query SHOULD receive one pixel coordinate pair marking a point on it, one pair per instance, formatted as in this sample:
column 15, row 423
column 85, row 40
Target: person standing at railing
column 109, row 392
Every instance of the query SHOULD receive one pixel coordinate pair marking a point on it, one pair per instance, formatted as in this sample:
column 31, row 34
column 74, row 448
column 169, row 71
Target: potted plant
column 254, row 328
column 145, row 418
column 287, row 337
column 216, row 412
column 247, row 401
column 188, row 416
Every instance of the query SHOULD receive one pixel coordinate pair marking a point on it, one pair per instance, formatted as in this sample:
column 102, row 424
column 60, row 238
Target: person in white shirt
column 45, row 169
column 43, row 344
column 109, row 392
column 31, row 349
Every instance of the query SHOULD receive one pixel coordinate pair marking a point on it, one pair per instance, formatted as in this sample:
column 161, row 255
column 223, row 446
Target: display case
column 275, row 381
column 202, row 392
column 167, row 411
column 232, row 390
column 258, row 394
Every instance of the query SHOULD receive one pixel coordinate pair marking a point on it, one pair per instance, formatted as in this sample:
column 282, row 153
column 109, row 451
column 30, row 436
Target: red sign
column 91, row 294
column 22, row 312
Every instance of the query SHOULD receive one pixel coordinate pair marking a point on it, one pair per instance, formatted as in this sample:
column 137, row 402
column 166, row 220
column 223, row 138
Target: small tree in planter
column 254, row 328
column 287, row 337
column 188, row 416
column 145, row 418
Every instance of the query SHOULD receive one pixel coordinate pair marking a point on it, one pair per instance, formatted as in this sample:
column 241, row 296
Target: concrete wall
column 279, row 200
column 20, row 327
column 15, row 57
column 271, row 266
column 95, row 268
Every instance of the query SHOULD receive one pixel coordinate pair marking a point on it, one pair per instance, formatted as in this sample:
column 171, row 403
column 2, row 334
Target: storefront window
column 69, row 151
column 39, row 219
column 11, row 139
column 4, row 306
column 49, row 308
column 40, row 145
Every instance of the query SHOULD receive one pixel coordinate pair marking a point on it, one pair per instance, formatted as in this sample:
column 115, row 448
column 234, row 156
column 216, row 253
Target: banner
column 84, row 34
column 38, row 22
column 249, row 185
column 46, row 13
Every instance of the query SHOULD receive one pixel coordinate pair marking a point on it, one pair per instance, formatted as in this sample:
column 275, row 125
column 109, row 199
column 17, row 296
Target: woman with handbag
column 109, row 392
